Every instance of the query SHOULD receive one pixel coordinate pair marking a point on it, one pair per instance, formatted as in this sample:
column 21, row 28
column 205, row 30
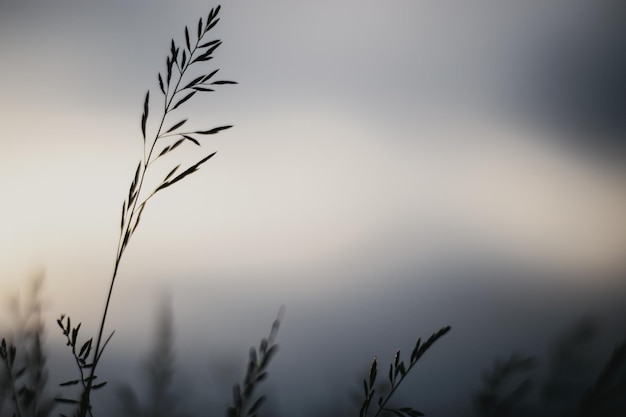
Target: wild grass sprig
column 7, row 354
column 176, row 90
column 397, row 373
column 259, row 359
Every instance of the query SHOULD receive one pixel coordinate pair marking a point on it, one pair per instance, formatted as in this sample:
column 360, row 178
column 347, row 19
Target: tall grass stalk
column 176, row 88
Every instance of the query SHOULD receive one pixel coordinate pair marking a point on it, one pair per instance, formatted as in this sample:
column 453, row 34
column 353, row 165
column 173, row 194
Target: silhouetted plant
column 175, row 93
column 243, row 403
column 569, row 387
column 24, row 361
column 159, row 370
column 397, row 373
column 502, row 391
column 607, row 396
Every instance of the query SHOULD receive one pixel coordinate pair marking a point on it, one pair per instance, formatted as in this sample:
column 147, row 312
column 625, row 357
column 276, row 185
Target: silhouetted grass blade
column 187, row 39
column 213, row 131
column 144, row 117
column 184, row 99
column 189, row 138
column 188, row 171
column 176, row 126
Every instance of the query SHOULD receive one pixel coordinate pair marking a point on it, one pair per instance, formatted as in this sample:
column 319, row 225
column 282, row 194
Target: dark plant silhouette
column 24, row 374
column 569, row 388
column 503, row 391
column 397, row 373
column 244, row 403
column 159, row 370
column 176, row 88
column 177, row 85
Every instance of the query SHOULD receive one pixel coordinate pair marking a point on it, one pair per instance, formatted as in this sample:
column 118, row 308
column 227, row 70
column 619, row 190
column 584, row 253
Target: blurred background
column 394, row 167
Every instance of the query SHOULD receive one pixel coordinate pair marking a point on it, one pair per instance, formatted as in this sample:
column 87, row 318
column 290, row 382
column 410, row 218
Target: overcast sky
column 400, row 150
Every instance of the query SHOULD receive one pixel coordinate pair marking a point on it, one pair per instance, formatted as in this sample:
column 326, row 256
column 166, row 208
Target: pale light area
column 297, row 197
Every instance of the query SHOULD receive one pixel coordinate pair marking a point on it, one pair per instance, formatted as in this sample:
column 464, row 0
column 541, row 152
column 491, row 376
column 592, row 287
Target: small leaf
column 169, row 69
column 202, row 88
column 193, row 82
column 84, row 347
column 189, row 138
column 144, row 117
column 209, row 27
column 199, row 28
column 182, row 175
column 68, row 383
column 100, row 385
column 177, row 125
column 184, row 60
column 187, row 97
column 121, row 230
column 373, row 372
column 213, row 42
column 171, row 147
column 161, row 86
column 414, row 354
column 209, row 76
column 187, row 39
column 223, row 82
column 171, row 172
column 214, row 130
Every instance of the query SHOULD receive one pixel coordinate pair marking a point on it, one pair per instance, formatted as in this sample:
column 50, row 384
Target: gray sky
column 439, row 150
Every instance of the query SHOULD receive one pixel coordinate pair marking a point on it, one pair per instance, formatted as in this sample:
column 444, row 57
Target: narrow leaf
column 171, row 173
column 144, row 117
column 121, row 231
column 68, row 383
column 187, row 39
column 214, row 130
column 84, row 347
column 223, row 82
column 169, row 70
column 187, row 97
column 176, row 126
column 171, row 147
column 161, row 86
column 189, row 138
column 209, row 76
column 193, row 82
column 209, row 27
column 182, row 175
column 213, row 42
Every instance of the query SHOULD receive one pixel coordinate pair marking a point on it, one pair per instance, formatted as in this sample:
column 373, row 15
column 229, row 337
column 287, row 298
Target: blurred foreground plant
column 23, row 369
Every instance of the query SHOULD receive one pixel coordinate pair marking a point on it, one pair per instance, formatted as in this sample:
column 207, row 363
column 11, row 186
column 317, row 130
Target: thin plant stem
column 133, row 207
